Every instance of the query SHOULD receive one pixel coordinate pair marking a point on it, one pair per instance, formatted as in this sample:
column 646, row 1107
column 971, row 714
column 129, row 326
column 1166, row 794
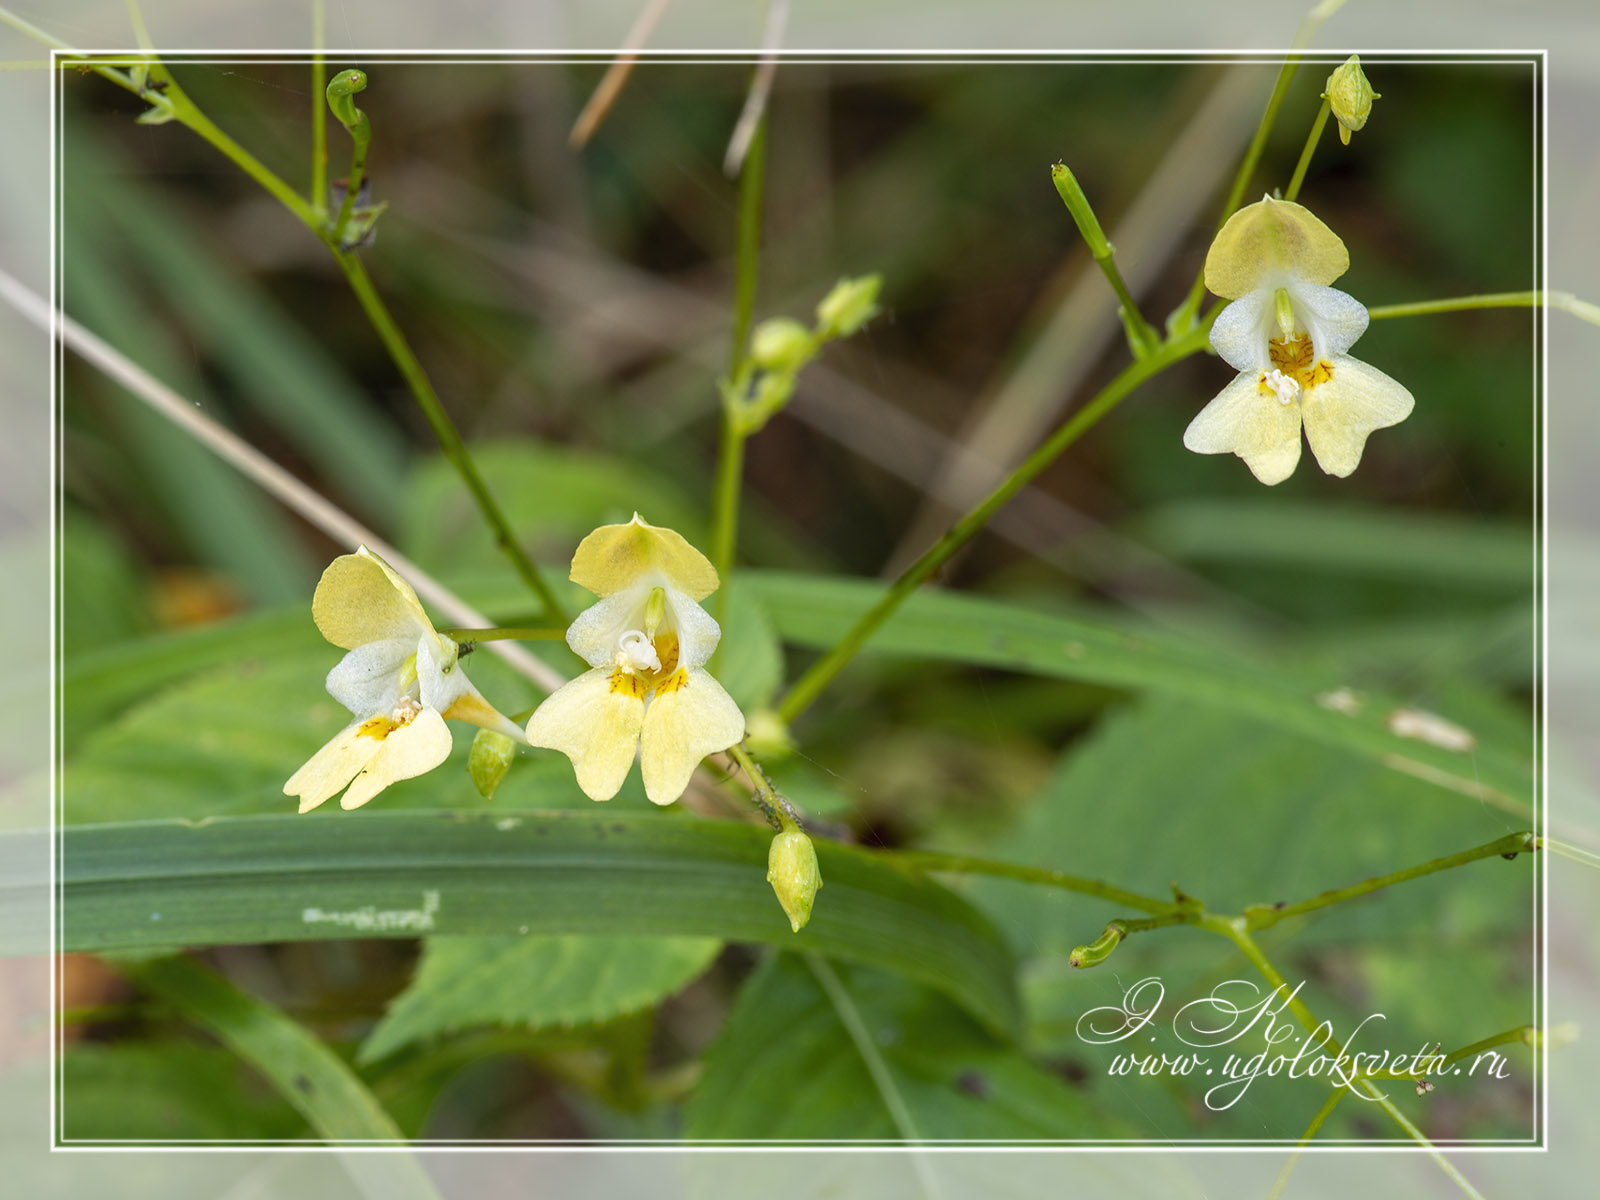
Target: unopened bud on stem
column 793, row 873
column 1350, row 97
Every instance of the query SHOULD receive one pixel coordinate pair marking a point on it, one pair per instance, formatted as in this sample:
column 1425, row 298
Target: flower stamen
column 637, row 653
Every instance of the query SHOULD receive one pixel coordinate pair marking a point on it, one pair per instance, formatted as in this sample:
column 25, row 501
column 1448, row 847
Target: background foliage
column 1133, row 699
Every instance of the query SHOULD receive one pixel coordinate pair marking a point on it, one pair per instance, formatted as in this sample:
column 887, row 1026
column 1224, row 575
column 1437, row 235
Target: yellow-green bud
column 851, row 304
column 1097, row 951
column 767, row 735
column 489, row 761
column 792, row 871
column 1350, row 97
column 781, row 344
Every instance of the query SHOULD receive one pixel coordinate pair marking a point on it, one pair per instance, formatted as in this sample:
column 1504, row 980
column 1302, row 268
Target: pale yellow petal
column 1340, row 413
column 616, row 557
column 1268, row 239
column 690, row 717
column 1253, row 424
column 412, row 749
column 594, row 720
column 332, row 767
column 360, row 599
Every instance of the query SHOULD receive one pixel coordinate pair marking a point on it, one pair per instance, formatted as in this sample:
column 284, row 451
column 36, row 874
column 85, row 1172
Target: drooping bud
column 793, row 873
column 340, row 89
column 489, row 761
column 1350, row 97
column 781, row 344
column 849, row 306
column 1097, row 951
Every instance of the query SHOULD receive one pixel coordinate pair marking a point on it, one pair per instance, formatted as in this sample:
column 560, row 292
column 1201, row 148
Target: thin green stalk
column 861, row 1037
column 1141, row 334
column 1187, row 311
column 1323, row 1113
column 1235, row 932
column 1522, row 1034
column 352, row 189
column 966, row 864
column 822, row 672
column 1259, row 917
column 774, row 805
column 444, row 428
column 730, row 449
column 1565, row 301
column 1299, row 176
column 507, row 633
column 319, row 115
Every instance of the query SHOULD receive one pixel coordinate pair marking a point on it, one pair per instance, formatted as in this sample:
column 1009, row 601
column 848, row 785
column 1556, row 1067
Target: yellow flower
column 648, row 641
column 1287, row 333
column 401, row 679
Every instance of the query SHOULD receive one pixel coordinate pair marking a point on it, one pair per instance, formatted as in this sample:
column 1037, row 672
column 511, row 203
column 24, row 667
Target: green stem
column 319, row 115
column 1141, row 334
column 1323, row 1113
column 507, row 633
column 444, row 428
column 966, row 864
column 361, row 136
column 1259, row 917
column 774, row 804
column 1234, row 932
column 1565, row 301
column 1299, row 176
column 1520, row 1034
column 1187, row 311
column 730, row 450
column 822, row 672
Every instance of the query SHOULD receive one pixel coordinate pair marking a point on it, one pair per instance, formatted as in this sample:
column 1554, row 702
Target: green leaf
column 230, row 880
column 186, row 1092
column 1344, row 540
column 106, row 601
column 534, row 982
column 961, row 628
column 785, row 1067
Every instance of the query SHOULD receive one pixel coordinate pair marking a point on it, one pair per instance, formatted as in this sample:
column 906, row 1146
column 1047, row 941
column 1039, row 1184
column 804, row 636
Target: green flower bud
column 1097, row 951
column 792, row 871
column 489, row 761
column 781, row 344
column 1350, row 97
column 851, row 304
column 767, row 735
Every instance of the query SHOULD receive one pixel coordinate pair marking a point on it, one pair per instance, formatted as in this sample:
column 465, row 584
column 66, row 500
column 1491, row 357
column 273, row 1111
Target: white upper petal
column 1334, row 319
column 596, row 635
column 367, row 679
column 698, row 631
column 1241, row 330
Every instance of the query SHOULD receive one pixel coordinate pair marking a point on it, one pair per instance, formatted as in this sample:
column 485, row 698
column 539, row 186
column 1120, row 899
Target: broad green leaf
column 749, row 660
column 1341, row 539
column 1236, row 812
column 785, row 1067
column 186, row 1092
column 961, row 628
column 304, row 1070
column 105, row 602
column 534, row 982
column 385, row 873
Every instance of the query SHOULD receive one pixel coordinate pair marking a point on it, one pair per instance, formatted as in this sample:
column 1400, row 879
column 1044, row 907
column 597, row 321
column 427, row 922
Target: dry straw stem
column 616, row 76
column 295, row 495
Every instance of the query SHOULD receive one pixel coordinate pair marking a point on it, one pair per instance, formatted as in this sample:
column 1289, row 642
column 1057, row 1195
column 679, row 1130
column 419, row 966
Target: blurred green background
column 573, row 309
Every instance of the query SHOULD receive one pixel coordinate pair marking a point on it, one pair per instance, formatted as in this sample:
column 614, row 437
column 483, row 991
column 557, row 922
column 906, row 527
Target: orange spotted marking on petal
column 1296, row 359
column 678, row 679
column 627, row 683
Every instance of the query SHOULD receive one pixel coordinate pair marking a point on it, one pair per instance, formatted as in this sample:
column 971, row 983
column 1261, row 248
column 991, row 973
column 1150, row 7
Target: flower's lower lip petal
column 414, row 748
column 690, row 717
column 1339, row 414
column 1258, row 428
column 328, row 770
column 595, row 726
